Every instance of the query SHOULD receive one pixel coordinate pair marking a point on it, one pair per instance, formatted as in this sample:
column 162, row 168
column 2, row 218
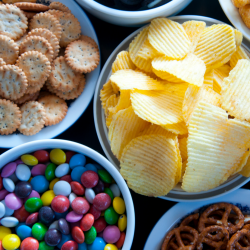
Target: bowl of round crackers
column 168, row 115
column 49, row 65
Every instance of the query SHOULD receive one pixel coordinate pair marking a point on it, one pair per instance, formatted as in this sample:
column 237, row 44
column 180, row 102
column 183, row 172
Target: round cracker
column 34, row 89
column 8, row 49
column 32, row 6
column 59, row 6
column 82, row 56
column 55, row 107
column 10, row 117
column 29, row 14
column 21, row 39
column 2, row 62
column 87, row 39
column 35, row 66
column 33, row 118
column 27, row 98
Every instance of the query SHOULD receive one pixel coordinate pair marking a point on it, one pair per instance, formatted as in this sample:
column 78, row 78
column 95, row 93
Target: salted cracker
column 59, row 6
column 32, row 6
column 29, row 14
column 10, row 117
column 82, row 56
column 2, row 62
column 87, row 39
column 35, row 88
column 27, row 98
column 21, row 39
column 15, row 1
column 8, row 49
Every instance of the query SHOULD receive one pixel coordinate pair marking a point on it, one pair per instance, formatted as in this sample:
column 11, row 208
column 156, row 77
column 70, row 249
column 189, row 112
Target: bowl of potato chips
column 171, row 109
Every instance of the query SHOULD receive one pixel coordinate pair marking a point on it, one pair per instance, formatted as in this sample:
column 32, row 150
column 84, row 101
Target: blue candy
column 39, row 183
column 77, row 160
column 65, row 237
column 60, row 215
column 98, row 244
column 82, row 246
column 92, row 167
column 97, row 166
column 23, row 232
column 77, row 173
column 19, row 225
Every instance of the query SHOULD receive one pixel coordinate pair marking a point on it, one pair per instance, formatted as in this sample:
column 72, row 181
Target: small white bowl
column 30, row 147
column 132, row 18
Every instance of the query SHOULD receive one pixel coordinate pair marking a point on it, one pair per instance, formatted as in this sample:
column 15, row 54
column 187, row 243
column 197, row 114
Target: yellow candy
column 119, row 205
column 11, row 242
column 122, row 222
column 53, row 182
column 110, row 247
column 57, row 156
column 4, row 231
column 47, row 197
column 29, row 160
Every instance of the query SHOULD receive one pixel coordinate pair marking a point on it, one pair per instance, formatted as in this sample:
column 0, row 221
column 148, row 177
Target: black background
column 147, row 210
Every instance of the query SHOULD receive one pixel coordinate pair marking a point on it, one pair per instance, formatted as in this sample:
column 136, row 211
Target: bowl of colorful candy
column 57, row 194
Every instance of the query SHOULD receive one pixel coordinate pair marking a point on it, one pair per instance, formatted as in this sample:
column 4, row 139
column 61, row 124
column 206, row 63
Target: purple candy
column 3, row 194
column 111, row 234
column 13, row 202
column 32, row 194
column 73, row 217
column 39, row 169
column 74, row 224
column 9, row 169
column 19, row 161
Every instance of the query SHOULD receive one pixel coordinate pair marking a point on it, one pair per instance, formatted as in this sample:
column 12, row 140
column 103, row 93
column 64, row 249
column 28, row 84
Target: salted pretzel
column 237, row 239
column 193, row 218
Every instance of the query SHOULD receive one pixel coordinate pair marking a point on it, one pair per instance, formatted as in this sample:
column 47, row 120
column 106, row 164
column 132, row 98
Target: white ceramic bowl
column 29, row 147
column 132, row 18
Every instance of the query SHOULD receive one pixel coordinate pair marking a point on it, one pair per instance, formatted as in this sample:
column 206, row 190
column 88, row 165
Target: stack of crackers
column 43, row 62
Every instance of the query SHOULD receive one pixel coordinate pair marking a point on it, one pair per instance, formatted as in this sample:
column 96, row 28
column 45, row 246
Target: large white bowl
column 132, row 18
column 177, row 194
column 16, row 152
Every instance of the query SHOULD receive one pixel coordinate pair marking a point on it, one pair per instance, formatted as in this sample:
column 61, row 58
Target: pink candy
column 73, row 217
column 32, row 194
column 3, row 194
column 39, row 169
column 111, row 234
column 8, row 169
column 13, row 202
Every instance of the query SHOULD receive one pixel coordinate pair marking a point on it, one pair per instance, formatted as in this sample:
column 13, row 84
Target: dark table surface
column 147, row 210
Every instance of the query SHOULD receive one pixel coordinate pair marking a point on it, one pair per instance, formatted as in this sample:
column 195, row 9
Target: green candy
column 39, row 230
column 90, row 235
column 105, row 176
column 44, row 246
column 50, row 172
column 33, row 204
column 109, row 192
column 110, row 216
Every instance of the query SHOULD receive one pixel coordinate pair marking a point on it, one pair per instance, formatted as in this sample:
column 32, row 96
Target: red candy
column 29, row 244
column 66, row 178
column 80, row 205
column 89, row 179
column 95, row 212
column 121, row 240
column 1, row 246
column 69, row 245
column 77, row 188
column 42, row 156
column 100, row 224
column 102, row 201
column 78, row 235
column 60, row 204
column 32, row 219
column 69, row 154
column 87, row 222
column 21, row 214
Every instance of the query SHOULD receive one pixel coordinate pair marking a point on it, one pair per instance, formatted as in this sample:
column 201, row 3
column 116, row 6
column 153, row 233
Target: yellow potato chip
column 115, row 88
column 122, row 61
column 216, row 45
column 150, row 74
column 147, row 51
column 219, row 75
column 193, row 96
column 235, row 91
column 125, row 126
column 194, row 30
column 158, row 130
column 238, row 55
column 149, row 164
column 130, row 79
column 215, row 148
column 191, row 69
column 111, row 102
column 238, row 37
column 209, row 79
column 106, row 92
column 183, row 148
column 169, row 38
column 179, row 165
column 246, row 169
column 160, row 107
column 177, row 128
column 183, row 169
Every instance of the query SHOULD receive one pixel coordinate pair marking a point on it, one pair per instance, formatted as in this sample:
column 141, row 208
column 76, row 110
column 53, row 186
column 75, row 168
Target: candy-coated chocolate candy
column 90, row 235
column 33, row 194
column 53, row 182
column 54, row 225
column 91, row 167
column 39, row 169
column 39, row 230
column 89, row 179
column 65, row 238
column 44, row 246
column 2, row 210
column 110, row 247
column 52, row 237
column 96, row 213
column 99, row 188
column 69, row 245
column 50, row 171
column 33, row 204
column 23, row 172
column 109, row 192
column 73, row 217
column 1, row 182
column 111, row 234
column 122, row 222
column 29, row 160
column 69, row 155
column 13, row 202
column 46, row 215
column 105, row 176
column 100, row 224
column 3, row 193
column 8, row 184
column 1, row 246
column 29, row 244
column 32, row 219
column 67, row 178
column 63, row 226
column 24, row 232
column 62, row 188
column 77, row 173
column 23, row 189
column 119, row 205
column 82, row 246
column 4, row 231
column 77, row 188
column 90, row 195
column 102, row 201
column 77, row 160
column 9, row 221
column 8, row 211
column 11, row 242
column 8, row 169
column 87, row 222
column 78, row 235
column 62, row 170
column 72, row 196
column 57, row 156
column 80, row 205
column 98, row 244
column 60, row 204
column 13, row 177
column 47, row 197
column 21, row 214
column 121, row 240
column 110, row 215
column 42, row 156
column 39, row 183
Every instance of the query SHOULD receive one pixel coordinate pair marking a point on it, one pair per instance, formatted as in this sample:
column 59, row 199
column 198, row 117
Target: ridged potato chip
column 216, row 45
column 215, row 148
column 158, row 130
column 149, row 164
column 147, row 51
column 235, row 91
column 219, row 75
column 238, row 37
column 160, row 107
column 183, row 148
column 209, row 79
column 125, row 126
column 169, row 38
column 238, row 55
column 193, row 96
column 179, row 128
column 183, row 169
column 106, row 92
column 122, row 61
column 191, row 69
column 111, row 102
column 179, row 165
column 150, row 74
column 194, row 30
column 246, row 169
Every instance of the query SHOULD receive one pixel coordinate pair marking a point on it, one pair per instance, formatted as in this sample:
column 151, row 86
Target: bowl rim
column 17, row 151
